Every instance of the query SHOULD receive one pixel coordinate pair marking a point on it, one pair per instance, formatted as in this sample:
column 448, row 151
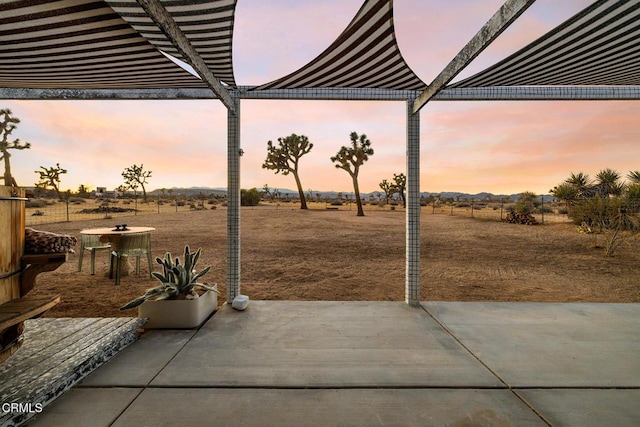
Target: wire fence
column 496, row 211
column 45, row 211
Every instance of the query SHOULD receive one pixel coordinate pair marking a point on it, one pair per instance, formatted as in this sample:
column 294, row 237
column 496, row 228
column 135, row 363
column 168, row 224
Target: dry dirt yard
column 291, row 254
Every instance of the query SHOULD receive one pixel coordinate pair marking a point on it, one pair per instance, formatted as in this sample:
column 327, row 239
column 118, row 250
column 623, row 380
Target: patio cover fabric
column 86, row 44
column 598, row 46
column 365, row 55
column 115, row 45
column 207, row 24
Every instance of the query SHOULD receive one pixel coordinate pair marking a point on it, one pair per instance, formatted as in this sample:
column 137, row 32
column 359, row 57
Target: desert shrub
column 526, row 203
column 249, row 197
column 633, row 197
column 336, row 202
column 607, row 216
column 105, row 209
column 463, row 205
column 374, row 202
column 35, row 203
column 546, row 209
column 48, row 202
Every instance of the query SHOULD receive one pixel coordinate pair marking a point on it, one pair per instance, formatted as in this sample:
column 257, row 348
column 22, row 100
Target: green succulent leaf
column 177, row 279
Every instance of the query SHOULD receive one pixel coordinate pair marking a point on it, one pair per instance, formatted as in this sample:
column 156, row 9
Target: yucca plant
column 179, row 281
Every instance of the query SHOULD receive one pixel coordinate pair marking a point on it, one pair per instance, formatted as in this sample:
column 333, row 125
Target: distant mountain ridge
column 222, row 191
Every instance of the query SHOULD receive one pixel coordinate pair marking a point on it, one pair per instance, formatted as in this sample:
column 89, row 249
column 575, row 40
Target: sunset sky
column 499, row 147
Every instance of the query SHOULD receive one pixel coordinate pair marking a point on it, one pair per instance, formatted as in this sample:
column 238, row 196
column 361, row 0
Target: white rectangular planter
column 178, row 314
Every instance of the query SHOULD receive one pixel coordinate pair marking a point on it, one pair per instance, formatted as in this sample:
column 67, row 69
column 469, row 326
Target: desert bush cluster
column 606, row 206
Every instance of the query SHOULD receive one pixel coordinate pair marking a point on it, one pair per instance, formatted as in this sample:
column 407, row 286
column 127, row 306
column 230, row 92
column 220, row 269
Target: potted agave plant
column 180, row 301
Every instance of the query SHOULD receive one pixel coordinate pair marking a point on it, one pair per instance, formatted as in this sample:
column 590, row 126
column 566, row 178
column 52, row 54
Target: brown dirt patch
column 289, row 254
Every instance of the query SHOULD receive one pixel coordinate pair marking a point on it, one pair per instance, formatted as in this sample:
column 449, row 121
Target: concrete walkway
column 289, row 363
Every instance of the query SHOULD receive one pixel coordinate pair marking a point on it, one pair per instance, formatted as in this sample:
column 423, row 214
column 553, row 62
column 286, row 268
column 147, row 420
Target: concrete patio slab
column 322, row 407
column 586, row 408
column 86, row 407
column 324, row 344
column 287, row 363
column 140, row 363
column 549, row 344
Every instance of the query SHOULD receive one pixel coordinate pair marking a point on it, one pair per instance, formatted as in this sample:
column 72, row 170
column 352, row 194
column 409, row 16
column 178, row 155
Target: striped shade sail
column 598, row 46
column 365, row 55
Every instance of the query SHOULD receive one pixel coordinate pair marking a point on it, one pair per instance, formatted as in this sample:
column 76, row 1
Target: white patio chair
column 131, row 245
column 91, row 243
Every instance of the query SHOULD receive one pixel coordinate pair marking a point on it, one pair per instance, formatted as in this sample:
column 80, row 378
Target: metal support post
column 412, row 283
column 233, row 202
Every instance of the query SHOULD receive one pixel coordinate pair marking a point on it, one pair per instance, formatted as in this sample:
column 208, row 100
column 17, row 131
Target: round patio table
column 112, row 236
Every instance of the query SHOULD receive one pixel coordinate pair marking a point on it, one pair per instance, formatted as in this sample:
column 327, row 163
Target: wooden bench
column 12, row 316
column 13, row 313
column 36, row 264
column 21, row 309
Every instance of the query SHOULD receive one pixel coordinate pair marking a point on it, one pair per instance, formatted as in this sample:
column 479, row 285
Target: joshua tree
column 351, row 158
column 266, row 191
column 50, row 177
column 7, row 126
column 388, row 189
column 285, row 158
column 634, row 176
column 400, row 184
column 83, row 190
column 135, row 175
